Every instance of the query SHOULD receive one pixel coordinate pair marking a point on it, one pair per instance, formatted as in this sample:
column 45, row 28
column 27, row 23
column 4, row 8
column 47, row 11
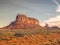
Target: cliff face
column 23, row 21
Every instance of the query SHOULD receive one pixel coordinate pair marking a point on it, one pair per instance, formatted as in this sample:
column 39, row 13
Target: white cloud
column 54, row 21
column 58, row 5
column 58, row 9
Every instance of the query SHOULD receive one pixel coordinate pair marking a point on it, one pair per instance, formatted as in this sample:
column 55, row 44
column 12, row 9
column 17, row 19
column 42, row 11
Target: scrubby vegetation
column 30, row 37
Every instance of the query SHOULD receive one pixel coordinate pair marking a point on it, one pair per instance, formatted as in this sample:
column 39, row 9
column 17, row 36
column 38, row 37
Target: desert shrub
column 18, row 34
column 25, row 38
column 14, row 44
column 53, row 44
column 47, row 44
column 50, row 40
column 1, row 34
column 58, row 40
column 4, row 39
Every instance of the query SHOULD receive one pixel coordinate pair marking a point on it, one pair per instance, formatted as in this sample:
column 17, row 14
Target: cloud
column 58, row 5
column 58, row 9
column 54, row 21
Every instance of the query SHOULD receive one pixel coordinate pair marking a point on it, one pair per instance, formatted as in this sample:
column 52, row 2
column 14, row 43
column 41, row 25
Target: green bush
column 18, row 34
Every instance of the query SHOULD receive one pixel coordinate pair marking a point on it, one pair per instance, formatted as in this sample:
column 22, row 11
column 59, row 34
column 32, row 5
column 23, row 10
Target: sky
column 43, row 10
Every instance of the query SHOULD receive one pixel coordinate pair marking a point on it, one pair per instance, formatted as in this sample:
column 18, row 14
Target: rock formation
column 55, row 27
column 46, row 25
column 22, row 22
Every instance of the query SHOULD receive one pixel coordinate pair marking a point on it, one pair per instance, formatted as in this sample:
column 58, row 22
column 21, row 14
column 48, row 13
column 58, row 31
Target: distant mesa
column 55, row 27
column 22, row 22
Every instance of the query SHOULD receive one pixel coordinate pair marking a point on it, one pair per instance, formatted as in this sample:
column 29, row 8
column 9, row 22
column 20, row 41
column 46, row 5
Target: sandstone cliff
column 22, row 22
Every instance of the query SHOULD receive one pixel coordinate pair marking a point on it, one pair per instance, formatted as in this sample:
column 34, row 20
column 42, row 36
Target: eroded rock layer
column 23, row 21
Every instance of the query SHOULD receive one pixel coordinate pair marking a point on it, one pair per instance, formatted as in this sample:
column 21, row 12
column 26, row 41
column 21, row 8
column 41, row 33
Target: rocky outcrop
column 22, row 22
column 46, row 25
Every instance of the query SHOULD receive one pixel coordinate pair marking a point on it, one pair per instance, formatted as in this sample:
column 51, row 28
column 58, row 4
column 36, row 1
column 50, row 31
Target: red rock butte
column 22, row 22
